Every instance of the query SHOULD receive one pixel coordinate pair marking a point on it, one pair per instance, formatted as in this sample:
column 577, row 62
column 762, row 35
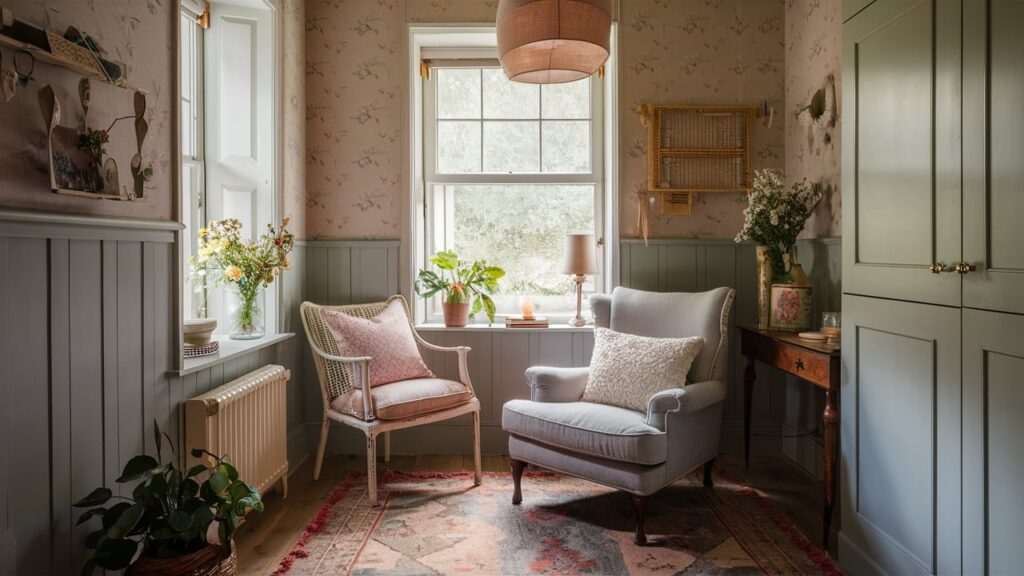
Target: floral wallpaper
column 814, row 31
column 294, row 114
column 714, row 52
column 138, row 33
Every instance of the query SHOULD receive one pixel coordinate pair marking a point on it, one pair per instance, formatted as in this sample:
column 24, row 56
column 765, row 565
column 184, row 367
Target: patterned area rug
column 432, row 523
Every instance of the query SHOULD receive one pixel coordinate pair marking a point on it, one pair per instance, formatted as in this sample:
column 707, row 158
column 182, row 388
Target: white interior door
column 240, row 128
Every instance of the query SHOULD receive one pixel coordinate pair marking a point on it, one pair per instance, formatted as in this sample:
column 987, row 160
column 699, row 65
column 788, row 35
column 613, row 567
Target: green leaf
column 489, row 307
column 138, row 467
column 95, row 498
column 114, row 514
column 158, row 439
column 180, row 521
column 89, row 567
column 196, row 470
column 445, row 260
column 115, row 554
column 126, row 522
column 218, row 482
column 89, row 514
column 94, row 539
column 202, row 517
column 477, row 305
column 229, row 471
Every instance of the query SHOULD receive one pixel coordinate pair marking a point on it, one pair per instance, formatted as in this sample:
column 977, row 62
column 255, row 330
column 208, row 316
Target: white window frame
column 429, row 237
column 193, row 166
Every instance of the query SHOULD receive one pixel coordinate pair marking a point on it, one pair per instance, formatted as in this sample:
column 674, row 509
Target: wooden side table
column 814, row 362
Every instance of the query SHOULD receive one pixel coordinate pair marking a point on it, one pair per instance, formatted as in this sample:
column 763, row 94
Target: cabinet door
column 993, row 451
column 993, row 152
column 900, row 431
column 901, row 150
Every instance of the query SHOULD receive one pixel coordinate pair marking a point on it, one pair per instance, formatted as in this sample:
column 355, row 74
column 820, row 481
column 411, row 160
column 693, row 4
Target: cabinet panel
column 993, row 147
column 901, row 176
column 992, row 450
column 901, row 435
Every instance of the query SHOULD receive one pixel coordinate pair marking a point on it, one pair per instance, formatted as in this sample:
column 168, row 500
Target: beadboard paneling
column 86, row 343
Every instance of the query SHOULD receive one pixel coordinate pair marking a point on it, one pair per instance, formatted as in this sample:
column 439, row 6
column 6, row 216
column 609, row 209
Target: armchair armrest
column 686, row 400
column 360, row 363
column 550, row 384
column 462, row 351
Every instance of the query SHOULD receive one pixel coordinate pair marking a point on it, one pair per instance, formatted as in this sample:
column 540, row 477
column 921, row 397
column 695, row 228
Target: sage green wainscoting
column 87, row 338
column 341, row 272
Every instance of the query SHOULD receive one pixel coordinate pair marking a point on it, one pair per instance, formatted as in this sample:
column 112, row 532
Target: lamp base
column 577, row 322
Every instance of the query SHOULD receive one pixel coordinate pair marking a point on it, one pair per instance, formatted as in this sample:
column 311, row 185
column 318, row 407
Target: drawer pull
column 799, row 363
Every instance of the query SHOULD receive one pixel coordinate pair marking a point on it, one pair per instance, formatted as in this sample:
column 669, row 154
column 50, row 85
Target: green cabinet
column 900, row 475
column 993, row 450
column 933, row 282
column 993, row 154
column 901, row 150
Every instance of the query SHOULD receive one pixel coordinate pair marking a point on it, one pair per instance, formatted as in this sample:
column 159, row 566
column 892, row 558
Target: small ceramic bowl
column 198, row 332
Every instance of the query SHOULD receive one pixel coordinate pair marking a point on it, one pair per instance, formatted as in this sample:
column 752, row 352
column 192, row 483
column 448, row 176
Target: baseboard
column 852, row 560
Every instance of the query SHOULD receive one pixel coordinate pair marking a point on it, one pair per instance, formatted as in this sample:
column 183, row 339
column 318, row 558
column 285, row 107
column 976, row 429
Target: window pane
column 568, row 100
column 458, row 147
column 504, row 99
column 522, row 228
column 511, row 147
column 458, row 93
column 567, row 147
column 187, row 125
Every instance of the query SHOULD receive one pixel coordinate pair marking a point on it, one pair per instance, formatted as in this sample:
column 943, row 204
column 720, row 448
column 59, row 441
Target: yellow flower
column 233, row 273
column 203, row 232
column 285, row 263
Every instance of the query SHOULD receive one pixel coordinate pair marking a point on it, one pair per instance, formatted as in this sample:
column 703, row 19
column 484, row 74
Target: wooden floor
column 268, row 536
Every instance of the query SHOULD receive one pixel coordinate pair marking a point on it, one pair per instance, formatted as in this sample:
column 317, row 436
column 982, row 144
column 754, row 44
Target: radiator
column 245, row 422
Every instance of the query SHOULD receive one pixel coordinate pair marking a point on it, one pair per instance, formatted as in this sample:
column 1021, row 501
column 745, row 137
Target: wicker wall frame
column 693, row 149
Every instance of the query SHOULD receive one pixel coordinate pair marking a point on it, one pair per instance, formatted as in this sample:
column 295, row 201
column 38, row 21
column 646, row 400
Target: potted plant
column 175, row 522
column 246, row 266
column 774, row 217
column 462, row 285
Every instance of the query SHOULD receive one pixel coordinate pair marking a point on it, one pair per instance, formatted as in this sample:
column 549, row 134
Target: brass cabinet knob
column 940, row 267
column 964, row 267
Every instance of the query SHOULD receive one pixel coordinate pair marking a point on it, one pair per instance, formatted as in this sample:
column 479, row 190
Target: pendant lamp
column 552, row 41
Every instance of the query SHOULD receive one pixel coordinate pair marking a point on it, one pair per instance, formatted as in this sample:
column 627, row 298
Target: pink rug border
column 815, row 554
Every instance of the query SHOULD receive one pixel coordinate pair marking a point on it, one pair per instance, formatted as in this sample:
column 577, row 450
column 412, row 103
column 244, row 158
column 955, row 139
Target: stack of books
column 521, row 322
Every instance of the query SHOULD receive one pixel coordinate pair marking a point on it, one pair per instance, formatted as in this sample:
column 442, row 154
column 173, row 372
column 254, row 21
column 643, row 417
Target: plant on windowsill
column 461, row 285
column 247, row 267
column 176, row 521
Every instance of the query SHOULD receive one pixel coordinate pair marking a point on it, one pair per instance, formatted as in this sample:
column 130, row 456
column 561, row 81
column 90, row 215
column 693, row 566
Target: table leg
column 831, row 418
column 748, row 394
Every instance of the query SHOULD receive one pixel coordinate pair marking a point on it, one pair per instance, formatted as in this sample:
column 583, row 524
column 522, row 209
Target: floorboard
column 266, row 537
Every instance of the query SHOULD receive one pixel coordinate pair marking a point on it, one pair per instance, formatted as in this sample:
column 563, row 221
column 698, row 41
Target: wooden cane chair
column 341, row 375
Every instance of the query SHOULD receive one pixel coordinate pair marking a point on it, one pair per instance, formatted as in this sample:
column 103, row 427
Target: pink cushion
column 407, row 399
column 387, row 338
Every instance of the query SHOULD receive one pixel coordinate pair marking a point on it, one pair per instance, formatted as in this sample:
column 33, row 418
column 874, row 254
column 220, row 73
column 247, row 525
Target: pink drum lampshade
column 553, row 41
column 579, row 254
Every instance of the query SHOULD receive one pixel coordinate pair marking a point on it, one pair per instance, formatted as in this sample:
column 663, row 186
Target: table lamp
column 579, row 261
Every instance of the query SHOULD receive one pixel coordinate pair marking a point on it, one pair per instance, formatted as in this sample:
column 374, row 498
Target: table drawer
column 803, row 363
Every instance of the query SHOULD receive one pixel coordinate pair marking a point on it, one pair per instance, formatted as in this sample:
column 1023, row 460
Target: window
column 509, row 170
column 192, row 169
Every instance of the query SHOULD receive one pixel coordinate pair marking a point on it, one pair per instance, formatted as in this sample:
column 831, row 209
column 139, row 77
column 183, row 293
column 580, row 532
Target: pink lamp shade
column 579, row 254
column 553, row 41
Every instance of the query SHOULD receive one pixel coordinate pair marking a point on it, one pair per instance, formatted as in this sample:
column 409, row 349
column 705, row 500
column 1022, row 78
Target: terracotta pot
column 455, row 315
column 209, row 561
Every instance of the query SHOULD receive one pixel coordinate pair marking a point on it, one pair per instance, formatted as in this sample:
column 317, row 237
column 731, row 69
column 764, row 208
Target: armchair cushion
column 594, row 429
column 626, row 369
column 387, row 338
column 405, row 399
column 551, row 384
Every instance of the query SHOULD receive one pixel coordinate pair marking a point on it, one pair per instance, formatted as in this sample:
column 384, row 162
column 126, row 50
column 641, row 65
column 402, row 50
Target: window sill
column 228, row 349
column 559, row 326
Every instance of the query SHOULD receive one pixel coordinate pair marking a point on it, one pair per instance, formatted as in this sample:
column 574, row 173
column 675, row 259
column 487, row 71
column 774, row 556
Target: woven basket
column 210, row 561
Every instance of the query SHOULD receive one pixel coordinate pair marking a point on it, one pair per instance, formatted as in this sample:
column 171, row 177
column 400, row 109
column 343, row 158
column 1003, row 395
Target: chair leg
column 387, row 447
column 371, row 467
column 708, row 480
column 640, row 504
column 476, row 449
column 324, row 429
column 517, row 479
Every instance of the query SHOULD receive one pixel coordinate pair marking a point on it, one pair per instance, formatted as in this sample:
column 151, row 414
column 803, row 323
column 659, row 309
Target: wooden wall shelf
column 42, row 55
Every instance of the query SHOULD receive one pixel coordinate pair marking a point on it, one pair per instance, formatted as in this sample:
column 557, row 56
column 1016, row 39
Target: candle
column 526, row 307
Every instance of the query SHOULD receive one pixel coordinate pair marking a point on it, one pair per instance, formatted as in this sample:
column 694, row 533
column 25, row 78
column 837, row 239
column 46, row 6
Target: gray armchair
column 636, row 452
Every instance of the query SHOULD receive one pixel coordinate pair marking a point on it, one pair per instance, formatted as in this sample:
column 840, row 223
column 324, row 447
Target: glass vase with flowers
column 245, row 266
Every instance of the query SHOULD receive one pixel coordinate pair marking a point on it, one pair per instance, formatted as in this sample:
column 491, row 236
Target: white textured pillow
column 626, row 370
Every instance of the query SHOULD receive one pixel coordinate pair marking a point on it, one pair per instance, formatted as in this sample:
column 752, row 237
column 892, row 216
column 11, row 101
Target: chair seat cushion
column 595, row 429
column 406, row 398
